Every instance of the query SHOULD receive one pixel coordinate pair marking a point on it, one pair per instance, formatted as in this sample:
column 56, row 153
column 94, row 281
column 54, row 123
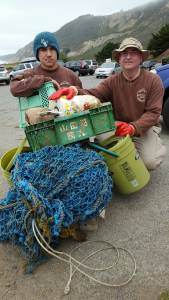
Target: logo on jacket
column 141, row 95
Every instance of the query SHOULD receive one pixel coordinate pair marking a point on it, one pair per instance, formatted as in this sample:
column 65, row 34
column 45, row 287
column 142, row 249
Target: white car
column 20, row 68
column 4, row 75
column 107, row 69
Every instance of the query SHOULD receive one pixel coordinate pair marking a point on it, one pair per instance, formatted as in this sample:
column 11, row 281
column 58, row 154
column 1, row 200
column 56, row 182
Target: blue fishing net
column 57, row 186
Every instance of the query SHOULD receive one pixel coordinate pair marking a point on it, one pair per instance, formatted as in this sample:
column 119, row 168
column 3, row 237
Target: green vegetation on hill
column 159, row 41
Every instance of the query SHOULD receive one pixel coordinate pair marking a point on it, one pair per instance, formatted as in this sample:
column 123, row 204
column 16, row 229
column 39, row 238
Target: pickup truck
column 163, row 72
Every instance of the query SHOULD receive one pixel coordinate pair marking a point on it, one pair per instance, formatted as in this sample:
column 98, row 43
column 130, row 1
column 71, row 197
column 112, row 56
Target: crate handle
column 93, row 145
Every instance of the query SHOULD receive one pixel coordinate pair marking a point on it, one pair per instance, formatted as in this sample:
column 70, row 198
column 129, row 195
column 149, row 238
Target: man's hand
column 123, row 129
column 56, row 84
column 69, row 92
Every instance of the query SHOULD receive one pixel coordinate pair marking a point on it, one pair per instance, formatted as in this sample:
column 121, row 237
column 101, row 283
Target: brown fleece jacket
column 138, row 102
column 25, row 84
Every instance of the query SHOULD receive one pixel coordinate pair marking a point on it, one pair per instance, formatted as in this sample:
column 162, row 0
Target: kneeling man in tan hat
column 137, row 96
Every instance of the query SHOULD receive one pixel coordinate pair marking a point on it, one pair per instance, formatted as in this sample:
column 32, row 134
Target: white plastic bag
column 84, row 102
column 76, row 104
column 63, row 106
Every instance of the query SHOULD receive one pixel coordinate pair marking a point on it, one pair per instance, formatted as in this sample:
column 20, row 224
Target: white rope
column 52, row 251
column 69, row 256
column 71, row 260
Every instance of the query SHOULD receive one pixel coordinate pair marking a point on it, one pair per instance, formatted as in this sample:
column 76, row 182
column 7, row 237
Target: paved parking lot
column 138, row 223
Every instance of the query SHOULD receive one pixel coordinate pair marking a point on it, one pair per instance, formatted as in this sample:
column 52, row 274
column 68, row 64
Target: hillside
column 86, row 35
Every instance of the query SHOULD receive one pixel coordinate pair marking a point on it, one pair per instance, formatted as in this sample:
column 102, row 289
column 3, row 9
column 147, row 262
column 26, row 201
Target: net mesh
column 57, row 186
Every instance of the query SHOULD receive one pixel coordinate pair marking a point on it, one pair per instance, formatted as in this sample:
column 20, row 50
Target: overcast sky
column 21, row 20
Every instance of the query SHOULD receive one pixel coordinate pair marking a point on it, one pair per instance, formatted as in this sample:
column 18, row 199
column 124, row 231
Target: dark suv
column 80, row 67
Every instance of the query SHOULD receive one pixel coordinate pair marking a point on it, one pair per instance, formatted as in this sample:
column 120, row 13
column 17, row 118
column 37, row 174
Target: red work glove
column 123, row 129
column 69, row 92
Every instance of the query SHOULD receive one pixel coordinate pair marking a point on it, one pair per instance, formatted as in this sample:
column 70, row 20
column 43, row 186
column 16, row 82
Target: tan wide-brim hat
column 130, row 43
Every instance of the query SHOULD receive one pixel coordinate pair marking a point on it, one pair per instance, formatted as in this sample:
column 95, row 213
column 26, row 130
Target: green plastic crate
column 67, row 130
column 39, row 98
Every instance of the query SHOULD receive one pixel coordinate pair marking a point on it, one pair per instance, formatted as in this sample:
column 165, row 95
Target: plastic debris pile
column 57, row 186
column 76, row 104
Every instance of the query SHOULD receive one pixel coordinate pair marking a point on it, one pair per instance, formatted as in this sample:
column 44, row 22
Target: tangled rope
column 56, row 186
column 76, row 265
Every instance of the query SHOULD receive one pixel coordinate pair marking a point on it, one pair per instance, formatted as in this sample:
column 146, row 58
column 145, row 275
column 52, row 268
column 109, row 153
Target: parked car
column 148, row 64
column 163, row 72
column 29, row 59
column 93, row 65
column 61, row 62
column 80, row 67
column 107, row 69
column 4, row 75
column 20, row 68
column 156, row 66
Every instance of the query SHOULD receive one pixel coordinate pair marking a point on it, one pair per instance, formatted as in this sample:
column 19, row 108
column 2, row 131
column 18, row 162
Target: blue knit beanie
column 43, row 40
